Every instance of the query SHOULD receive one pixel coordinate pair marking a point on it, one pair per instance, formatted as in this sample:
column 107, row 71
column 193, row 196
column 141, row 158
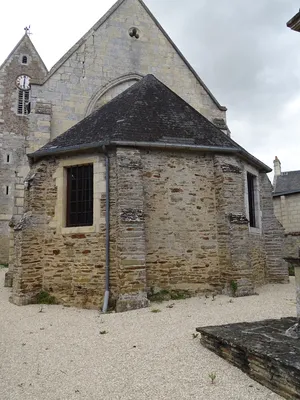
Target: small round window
column 134, row 32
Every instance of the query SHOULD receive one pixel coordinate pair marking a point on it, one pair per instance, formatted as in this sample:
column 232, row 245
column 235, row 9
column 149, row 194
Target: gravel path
column 59, row 353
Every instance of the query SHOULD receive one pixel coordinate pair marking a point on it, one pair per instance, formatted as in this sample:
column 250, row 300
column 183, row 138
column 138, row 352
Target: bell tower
column 19, row 71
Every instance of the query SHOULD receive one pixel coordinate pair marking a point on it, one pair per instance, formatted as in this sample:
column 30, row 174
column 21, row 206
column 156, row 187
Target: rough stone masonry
column 179, row 219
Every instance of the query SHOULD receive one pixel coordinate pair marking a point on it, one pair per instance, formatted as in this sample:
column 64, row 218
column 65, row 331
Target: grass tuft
column 45, row 298
column 165, row 295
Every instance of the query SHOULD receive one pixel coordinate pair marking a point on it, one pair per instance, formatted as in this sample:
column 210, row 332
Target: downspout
column 107, row 229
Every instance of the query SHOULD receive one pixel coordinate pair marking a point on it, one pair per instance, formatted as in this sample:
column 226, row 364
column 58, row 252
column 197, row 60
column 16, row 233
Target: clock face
column 23, row 82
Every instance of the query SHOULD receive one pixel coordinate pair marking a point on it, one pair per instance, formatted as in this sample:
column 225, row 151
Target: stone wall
column 131, row 244
column 287, row 210
column 274, row 236
column 242, row 253
column 178, row 221
column 237, row 253
column 68, row 264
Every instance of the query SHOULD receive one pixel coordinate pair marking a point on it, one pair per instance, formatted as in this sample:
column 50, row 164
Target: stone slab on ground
column 260, row 349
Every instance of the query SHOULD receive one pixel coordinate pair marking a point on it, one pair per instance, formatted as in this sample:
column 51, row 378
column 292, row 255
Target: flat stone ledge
column 22, row 300
column 260, row 349
column 127, row 302
column 8, row 279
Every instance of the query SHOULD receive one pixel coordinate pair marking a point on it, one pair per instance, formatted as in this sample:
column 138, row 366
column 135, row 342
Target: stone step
column 261, row 350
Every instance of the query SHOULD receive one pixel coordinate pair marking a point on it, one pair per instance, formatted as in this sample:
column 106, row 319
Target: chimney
column 277, row 166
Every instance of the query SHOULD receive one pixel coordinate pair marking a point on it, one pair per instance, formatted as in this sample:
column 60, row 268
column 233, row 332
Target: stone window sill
column 256, row 231
column 78, row 229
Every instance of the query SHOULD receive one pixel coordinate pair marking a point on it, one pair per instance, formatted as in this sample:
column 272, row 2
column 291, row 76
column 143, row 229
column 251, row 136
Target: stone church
column 119, row 176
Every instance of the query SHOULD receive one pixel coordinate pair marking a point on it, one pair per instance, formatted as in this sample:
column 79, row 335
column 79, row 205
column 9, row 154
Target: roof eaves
column 255, row 161
column 294, row 22
column 55, row 151
column 277, row 194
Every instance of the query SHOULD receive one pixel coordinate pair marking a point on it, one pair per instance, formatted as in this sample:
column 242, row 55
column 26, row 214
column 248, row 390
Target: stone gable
column 109, row 60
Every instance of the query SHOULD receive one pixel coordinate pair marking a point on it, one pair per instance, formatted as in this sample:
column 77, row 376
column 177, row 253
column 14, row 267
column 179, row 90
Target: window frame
column 253, row 202
column 84, row 188
column 22, row 59
column 23, row 107
column 58, row 222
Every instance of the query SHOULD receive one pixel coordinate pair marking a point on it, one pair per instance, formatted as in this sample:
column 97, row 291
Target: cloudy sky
column 241, row 49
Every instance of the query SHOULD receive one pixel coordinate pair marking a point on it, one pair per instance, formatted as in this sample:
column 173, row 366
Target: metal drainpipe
column 107, row 229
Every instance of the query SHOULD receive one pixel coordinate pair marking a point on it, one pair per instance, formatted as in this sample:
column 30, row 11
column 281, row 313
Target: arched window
column 24, row 60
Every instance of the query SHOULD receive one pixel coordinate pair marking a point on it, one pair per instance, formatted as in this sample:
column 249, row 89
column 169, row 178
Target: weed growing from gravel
column 212, row 376
column 165, row 295
column 180, row 294
column 155, row 310
column 195, row 335
column 45, row 298
column 291, row 270
column 103, row 332
column 234, row 287
column 160, row 296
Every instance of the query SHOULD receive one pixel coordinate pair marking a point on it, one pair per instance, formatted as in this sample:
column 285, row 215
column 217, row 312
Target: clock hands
column 23, row 82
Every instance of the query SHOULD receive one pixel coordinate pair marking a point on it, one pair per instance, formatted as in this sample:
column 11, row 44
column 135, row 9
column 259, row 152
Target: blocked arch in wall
column 111, row 90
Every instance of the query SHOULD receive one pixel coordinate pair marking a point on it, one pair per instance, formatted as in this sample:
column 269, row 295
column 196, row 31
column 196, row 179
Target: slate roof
column 294, row 23
column 287, row 183
column 147, row 112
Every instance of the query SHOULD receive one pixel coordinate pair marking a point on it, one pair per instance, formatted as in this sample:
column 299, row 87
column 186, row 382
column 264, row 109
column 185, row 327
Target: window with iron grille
column 251, row 182
column 80, row 195
column 23, row 102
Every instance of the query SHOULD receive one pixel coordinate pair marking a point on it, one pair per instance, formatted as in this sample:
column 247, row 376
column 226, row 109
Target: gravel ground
column 59, row 353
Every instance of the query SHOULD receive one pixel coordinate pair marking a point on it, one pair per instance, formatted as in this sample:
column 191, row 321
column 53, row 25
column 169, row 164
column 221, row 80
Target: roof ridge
column 288, row 172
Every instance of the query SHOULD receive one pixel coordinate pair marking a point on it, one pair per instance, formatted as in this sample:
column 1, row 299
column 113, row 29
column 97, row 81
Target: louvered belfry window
column 80, row 195
column 23, row 102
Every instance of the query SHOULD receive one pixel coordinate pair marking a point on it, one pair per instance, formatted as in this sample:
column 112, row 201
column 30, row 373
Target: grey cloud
column 248, row 58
